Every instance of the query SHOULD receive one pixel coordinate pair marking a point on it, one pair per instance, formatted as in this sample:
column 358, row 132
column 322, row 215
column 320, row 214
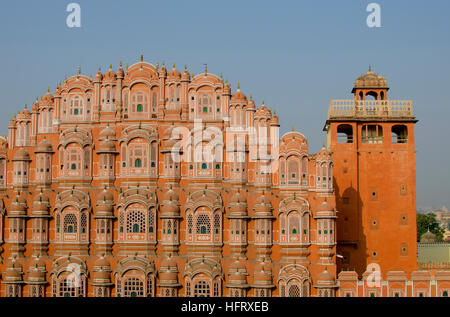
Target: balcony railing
column 370, row 108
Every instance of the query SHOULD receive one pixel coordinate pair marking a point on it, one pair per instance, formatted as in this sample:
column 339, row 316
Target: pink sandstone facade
column 149, row 182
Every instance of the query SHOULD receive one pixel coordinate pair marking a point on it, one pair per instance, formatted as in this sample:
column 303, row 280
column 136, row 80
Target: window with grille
column 151, row 222
column 135, row 222
column 66, row 288
column 149, row 286
column 190, row 223
column 83, row 222
column 133, row 287
column 216, row 289
column 70, row 223
column 203, row 224
column 201, row 289
column 121, row 222
column 217, row 223
column 294, row 291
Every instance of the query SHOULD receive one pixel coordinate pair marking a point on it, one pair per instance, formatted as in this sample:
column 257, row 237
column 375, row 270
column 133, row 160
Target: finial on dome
column 251, row 97
column 206, row 69
column 192, row 75
column 323, row 144
column 48, row 89
column 221, row 75
column 293, row 128
column 142, row 57
column 238, row 86
column 110, row 66
column 185, row 67
column 126, row 66
column 157, row 65
column 25, row 106
column 163, row 63
column 370, row 68
column 99, row 68
column 79, row 70
column 65, row 77
column 173, row 65
column 263, row 101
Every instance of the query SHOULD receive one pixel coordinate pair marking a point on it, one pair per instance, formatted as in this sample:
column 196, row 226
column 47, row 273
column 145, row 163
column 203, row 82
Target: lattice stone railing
column 370, row 108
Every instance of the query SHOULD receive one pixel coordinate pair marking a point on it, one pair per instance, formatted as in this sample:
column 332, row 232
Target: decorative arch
column 203, row 278
column 68, row 277
column 294, row 280
column 137, row 215
column 135, row 277
column 294, row 214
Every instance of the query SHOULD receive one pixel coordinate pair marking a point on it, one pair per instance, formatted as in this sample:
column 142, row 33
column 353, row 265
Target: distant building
column 443, row 217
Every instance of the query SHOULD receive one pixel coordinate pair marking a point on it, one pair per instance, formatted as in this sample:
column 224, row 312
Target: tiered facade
column 148, row 182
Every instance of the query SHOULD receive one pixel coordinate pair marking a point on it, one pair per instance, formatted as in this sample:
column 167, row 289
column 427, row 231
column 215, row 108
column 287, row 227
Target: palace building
column 148, row 182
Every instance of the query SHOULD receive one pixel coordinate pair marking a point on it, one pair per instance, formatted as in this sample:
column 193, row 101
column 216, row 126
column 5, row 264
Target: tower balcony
column 370, row 109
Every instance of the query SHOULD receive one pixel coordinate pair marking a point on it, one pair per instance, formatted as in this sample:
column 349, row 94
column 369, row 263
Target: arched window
column 293, row 171
column 139, row 108
column 138, row 163
column 344, row 133
column 203, row 224
column 70, row 223
column 372, row 134
column 135, row 221
column 445, row 294
column 189, row 221
column 204, row 166
column 294, row 291
column 399, row 134
column 201, row 289
column 133, row 287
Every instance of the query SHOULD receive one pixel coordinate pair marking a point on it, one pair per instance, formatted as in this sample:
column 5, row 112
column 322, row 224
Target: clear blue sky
column 297, row 55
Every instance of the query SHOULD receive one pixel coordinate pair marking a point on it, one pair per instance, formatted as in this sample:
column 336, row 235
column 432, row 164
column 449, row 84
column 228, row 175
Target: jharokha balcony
column 353, row 108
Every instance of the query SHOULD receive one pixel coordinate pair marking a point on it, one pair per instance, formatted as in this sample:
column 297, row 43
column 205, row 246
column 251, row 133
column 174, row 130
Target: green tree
column 427, row 222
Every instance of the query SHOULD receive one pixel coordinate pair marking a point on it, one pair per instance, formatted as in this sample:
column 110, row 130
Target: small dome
column 47, row 98
column 370, row 80
column 105, row 195
column 102, row 263
column 37, row 262
column 325, row 276
column 163, row 71
column 174, row 73
column 110, row 75
column 99, row 76
column 239, row 96
column 101, row 276
column 41, row 197
column 170, row 145
column 108, row 133
column 107, row 146
column 169, row 263
column 428, row 237
column 13, row 271
column 18, row 206
column 325, row 206
column 120, row 72
column 237, row 265
column 171, row 195
column 238, row 198
column 21, row 155
column 185, row 76
column 263, row 200
column 44, row 147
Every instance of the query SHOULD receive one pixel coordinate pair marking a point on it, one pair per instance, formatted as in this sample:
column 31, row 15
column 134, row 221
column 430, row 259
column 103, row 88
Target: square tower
column 372, row 143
